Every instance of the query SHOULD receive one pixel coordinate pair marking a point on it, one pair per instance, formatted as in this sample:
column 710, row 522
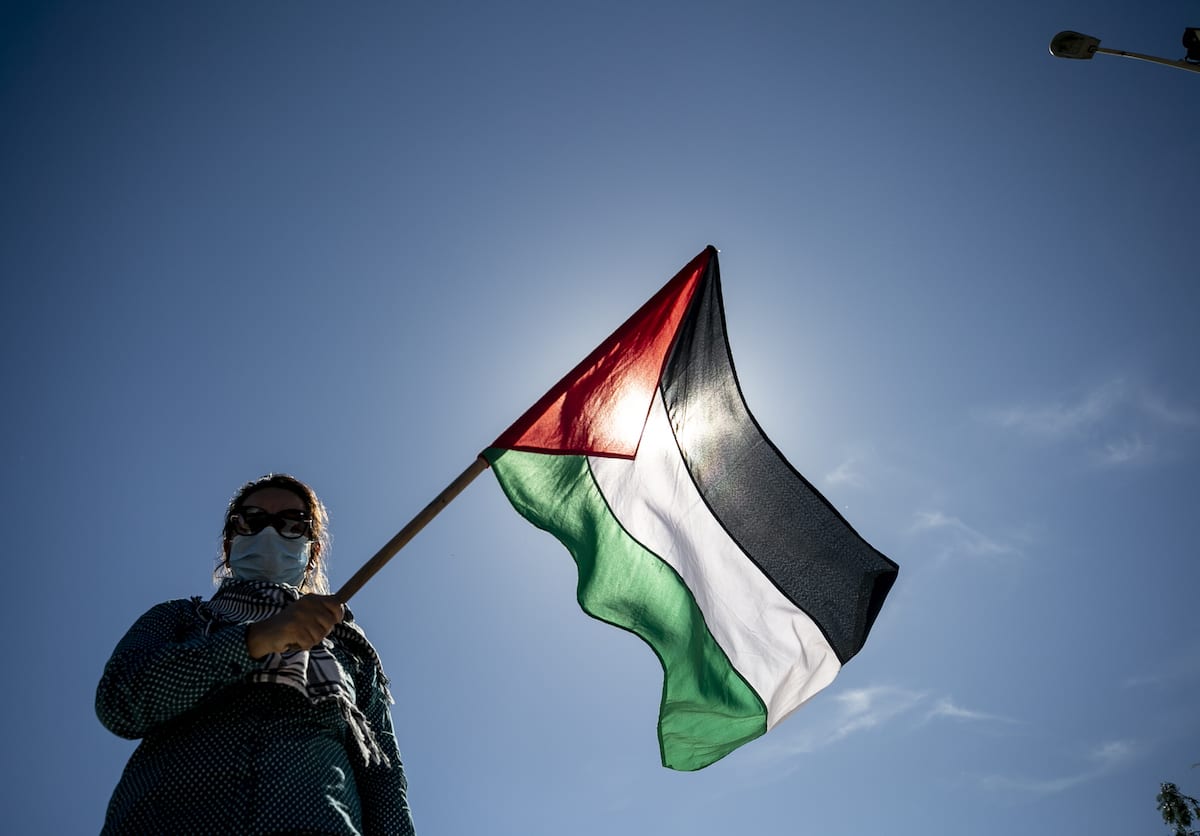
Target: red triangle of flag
column 599, row 408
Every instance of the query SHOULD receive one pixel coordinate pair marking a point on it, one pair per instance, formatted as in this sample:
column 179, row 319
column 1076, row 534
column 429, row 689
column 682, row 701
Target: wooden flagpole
column 389, row 550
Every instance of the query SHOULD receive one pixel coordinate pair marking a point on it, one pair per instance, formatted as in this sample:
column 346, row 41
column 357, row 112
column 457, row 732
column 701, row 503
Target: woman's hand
column 301, row 625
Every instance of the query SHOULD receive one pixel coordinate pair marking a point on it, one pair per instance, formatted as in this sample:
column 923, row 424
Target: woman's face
column 279, row 554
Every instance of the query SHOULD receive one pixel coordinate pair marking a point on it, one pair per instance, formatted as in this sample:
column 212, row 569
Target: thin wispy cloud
column 961, row 537
column 1102, row 760
column 1181, row 667
column 1119, row 422
column 1062, row 417
column 1113, row 753
column 1124, row 451
column 877, row 708
column 946, row 708
column 847, row 473
column 854, row 711
column 865, row 710
column 1168, row 413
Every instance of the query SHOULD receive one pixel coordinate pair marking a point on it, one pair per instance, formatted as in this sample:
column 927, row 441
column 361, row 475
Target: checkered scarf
column 315, row 673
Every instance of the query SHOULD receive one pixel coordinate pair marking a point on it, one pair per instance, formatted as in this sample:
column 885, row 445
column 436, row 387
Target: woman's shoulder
column 176, row 605
column 175, row 610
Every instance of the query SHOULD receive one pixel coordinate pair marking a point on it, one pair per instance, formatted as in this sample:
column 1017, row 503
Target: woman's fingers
column 316, row 615
column 302, row 625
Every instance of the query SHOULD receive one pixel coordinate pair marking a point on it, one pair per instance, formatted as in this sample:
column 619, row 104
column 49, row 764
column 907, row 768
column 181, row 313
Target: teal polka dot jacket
column 221, row 755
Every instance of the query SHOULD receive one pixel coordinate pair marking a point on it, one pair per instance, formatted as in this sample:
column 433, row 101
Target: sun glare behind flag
column 688, row 526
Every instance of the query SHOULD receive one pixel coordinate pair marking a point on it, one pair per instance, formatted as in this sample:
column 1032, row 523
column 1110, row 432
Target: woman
column 264, row 709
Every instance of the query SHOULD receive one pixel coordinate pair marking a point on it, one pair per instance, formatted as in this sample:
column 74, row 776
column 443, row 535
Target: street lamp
column 1075, row 45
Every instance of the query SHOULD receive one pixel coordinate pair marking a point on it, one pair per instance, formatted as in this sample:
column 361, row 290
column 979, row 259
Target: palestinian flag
column 688, row 526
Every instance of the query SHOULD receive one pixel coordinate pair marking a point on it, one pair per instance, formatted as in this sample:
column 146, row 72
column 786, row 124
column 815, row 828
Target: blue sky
column 355, row 241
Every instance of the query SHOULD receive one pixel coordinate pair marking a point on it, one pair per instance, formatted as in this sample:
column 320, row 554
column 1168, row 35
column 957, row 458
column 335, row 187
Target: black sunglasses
column 291, row 523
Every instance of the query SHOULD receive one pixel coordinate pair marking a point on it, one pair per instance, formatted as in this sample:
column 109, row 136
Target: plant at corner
column 1178, row 810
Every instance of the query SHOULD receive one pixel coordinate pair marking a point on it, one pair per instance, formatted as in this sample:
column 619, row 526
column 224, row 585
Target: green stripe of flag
column 707, row 709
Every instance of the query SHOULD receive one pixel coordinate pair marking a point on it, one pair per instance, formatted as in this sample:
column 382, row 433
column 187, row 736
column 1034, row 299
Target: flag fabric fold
column 689, row 528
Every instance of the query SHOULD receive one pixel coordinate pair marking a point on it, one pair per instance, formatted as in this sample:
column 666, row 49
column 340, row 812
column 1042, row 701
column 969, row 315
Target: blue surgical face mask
column 269, row 556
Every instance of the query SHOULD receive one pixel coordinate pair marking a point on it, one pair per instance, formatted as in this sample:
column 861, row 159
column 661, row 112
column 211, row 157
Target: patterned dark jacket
column 220, row 755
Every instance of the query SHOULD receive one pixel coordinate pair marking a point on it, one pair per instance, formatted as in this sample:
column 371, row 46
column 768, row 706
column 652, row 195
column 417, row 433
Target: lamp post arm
column 1153, row 59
